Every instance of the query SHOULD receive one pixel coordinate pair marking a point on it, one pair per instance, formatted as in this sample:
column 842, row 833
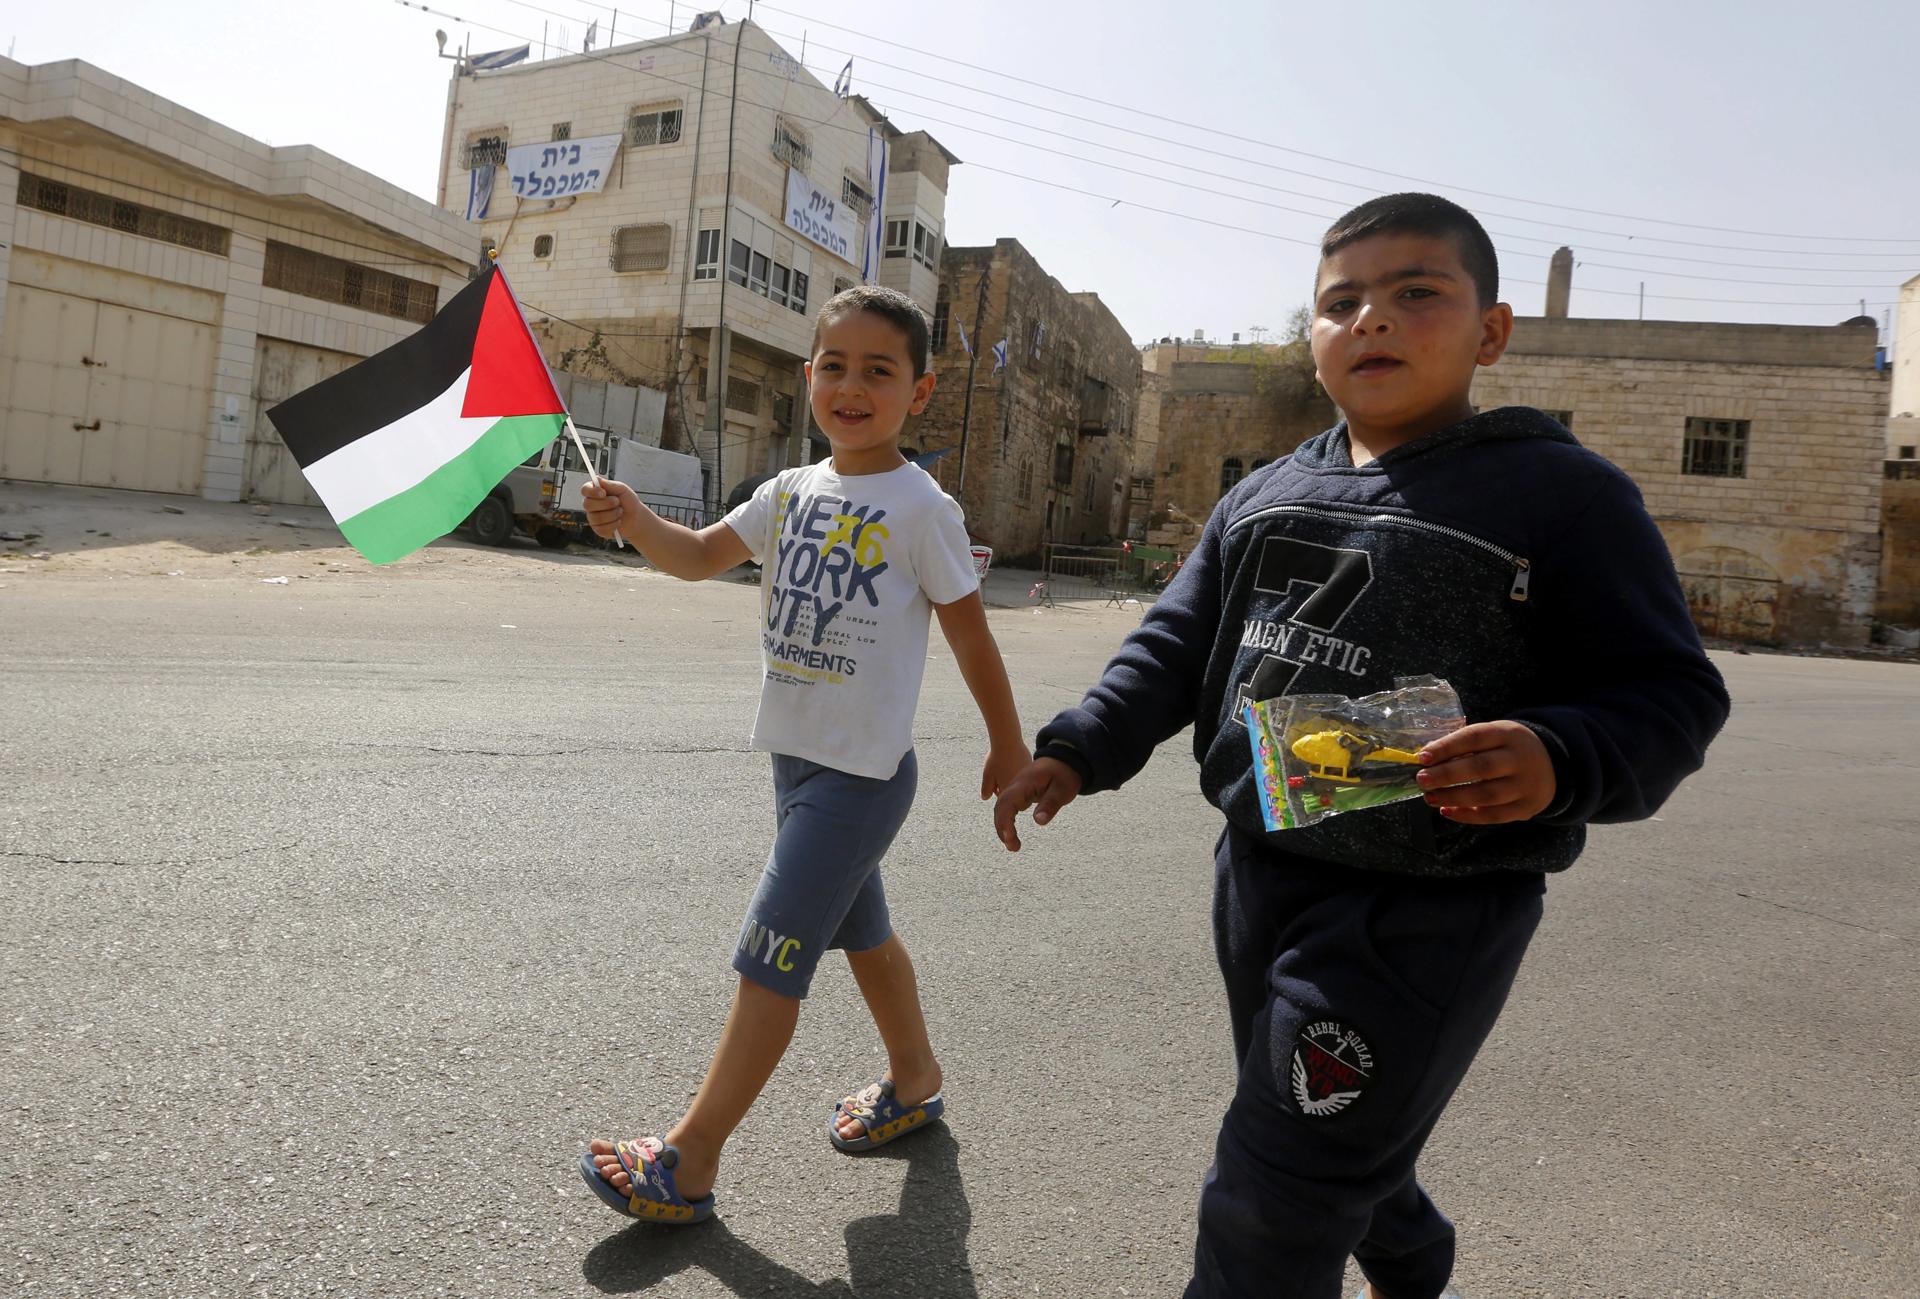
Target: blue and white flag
column 843, row 84
column 593, row 34
column 873, row 246
column 965, row 342
column 712, row 18
column 499, row 58
column 479, row 192
column 1000, row 356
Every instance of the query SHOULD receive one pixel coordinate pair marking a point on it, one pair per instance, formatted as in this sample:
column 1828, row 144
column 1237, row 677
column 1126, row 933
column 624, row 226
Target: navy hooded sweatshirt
column 1497, row 553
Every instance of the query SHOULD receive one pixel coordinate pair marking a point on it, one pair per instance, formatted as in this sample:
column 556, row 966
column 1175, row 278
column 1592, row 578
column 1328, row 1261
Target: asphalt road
column 335, row 915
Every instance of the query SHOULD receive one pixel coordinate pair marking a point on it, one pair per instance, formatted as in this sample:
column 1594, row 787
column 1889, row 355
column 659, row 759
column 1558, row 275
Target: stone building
column 1049, row 445
column 726, row 219
column 1903, row 420
column 1758, row 448
column 1214, row 419
column 165, row 279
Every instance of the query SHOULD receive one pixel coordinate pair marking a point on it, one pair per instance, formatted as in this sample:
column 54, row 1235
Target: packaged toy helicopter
column 1317, row 756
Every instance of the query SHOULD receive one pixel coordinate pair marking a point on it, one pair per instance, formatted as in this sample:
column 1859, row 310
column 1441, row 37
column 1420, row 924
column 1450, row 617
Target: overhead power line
column 1341, row 162
column 615, row 60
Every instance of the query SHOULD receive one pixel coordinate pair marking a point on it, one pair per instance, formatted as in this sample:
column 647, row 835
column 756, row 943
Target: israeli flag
column 965, row 342
column 1000, row 356
column 499, row 58
column 872, row 247
column 479, row 193
column 843, row 84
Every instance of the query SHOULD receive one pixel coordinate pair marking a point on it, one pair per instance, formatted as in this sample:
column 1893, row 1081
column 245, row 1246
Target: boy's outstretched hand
column 1490, row 773
column 608, row 504
column 1046, row 782
column 1002, row 765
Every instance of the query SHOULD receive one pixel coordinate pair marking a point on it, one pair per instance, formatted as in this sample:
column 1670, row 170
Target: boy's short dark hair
column 1423, row 214
column 892, row 306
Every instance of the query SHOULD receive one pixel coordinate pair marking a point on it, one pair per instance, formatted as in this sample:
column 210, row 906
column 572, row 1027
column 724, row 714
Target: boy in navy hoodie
column 1367, row 956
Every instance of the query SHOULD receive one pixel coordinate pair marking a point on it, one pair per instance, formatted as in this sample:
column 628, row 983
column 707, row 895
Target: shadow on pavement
column 920, row 1250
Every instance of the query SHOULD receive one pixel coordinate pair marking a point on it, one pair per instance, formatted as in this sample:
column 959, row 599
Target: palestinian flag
column 404, row 445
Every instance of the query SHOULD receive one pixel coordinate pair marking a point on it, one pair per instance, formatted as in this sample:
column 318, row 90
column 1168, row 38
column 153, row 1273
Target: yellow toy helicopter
column 1334, row 755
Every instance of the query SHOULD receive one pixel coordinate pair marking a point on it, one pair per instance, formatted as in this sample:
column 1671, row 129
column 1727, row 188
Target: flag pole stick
column 619, row 541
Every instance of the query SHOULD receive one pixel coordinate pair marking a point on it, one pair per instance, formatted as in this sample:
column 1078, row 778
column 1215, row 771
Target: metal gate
column 281, row 369
column 100, row 394
column 1731, row 593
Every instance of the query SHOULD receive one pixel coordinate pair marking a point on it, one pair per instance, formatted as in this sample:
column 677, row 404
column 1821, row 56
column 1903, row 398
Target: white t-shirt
column 851, row 567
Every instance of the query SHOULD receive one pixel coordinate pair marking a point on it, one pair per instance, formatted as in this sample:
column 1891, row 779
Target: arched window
column 1259, row 464
column 1231, row 472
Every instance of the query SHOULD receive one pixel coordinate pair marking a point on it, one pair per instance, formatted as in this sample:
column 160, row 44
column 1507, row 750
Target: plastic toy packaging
column 1317, row 756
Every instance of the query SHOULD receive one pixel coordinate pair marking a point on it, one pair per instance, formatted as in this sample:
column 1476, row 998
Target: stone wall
column 1686, row 340
column 1215, row 412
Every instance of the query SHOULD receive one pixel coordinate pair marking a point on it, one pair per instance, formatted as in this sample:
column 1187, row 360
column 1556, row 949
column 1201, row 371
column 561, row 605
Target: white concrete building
column 1903, row 420
column 693, row 228
column 166, row 278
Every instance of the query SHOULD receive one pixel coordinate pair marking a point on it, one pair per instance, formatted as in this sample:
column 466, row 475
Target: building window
column 1231, row 472
column 737, row 259
column 77, row 204
column 1024, row 489
column 791, row 145
column 329, row 279
column 642, row 248
column 743, row 394
column 487, row 148
column 1063, row 463
column 1906, row 453
column 1258, row 465
column 942, row 309
column 562, row 131
column 1087, row 497
column 777, row 286
column 841, row 285
column 783, row 410
column 1563, row 417
column 899, row 233
column 926, row 246
column 652, row 124
column 798, row 298
column 543, row 246
column 856, row 197
column 1715, row 448
column 706, row 258
column 757, row 273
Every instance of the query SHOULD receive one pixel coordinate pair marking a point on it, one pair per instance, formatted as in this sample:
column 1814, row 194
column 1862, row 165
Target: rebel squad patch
column 1332, row 1066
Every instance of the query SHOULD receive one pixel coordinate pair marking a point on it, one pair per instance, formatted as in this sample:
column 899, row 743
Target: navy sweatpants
column 1358, row 1001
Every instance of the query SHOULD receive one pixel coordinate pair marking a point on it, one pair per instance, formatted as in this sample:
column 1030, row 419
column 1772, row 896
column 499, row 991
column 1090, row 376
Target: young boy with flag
column 856, row 553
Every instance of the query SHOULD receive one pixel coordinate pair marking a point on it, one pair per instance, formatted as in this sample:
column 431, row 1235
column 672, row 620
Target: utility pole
column 973, row 359
column 719, row 344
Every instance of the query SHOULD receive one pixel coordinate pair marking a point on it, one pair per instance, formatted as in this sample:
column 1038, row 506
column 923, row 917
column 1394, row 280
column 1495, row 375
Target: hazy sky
column 1781, row 141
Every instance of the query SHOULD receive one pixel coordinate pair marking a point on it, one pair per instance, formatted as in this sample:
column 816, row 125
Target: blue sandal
column 886, row 1119
column 649, row 1163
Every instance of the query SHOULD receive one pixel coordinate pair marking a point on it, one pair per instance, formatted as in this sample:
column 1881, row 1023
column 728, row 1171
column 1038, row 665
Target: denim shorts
column 821, row 888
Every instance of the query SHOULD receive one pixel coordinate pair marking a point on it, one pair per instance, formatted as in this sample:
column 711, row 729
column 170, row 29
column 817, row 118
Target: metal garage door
column 101, row 394
column 280, row 369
